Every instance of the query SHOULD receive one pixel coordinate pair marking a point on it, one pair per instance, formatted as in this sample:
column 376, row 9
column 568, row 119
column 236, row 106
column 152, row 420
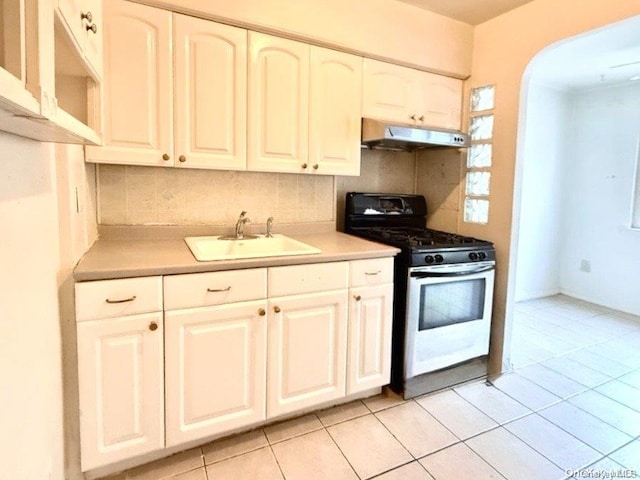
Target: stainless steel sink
column 206, row 249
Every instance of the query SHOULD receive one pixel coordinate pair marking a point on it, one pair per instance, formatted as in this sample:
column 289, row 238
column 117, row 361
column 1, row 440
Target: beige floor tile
column 622, row 393
column 368, row 446
column 410, row 471
column 455, row 413
column 578, row 311
column 632, row 379
column 617, row 352
column 236, row 445
column 458, row 462
column 584, row 426
column 598, row 362
column 551, row 317
column 551, row 380
column 512, row 457
column 416, row 429
column 259, row 464
column 525, row 391
column 564, row 450
column 388, row 398
column 342, row 413
column 199, row 474
column 576, row 371
column 313, row 455
column 629, row 456
column 611, row 323
column 492, row 402
column 167, row 467
column 292, row 428
column 612, row 412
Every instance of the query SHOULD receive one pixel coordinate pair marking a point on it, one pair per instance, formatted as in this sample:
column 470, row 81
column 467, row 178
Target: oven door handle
column 451, row 274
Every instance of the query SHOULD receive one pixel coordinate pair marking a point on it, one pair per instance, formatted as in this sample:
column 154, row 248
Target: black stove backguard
column 384, row 210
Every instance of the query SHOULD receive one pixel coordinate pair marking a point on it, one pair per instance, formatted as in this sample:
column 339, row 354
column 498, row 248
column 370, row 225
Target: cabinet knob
column 153, row 326
column 182, row 158
column 421, row 118
column 86, row 16
column 166, row 157
column 262, row 312
column 304, row 165
column 413, row 117
column 357, row 297
column 316, row 166
column 277, row 309
column 92, row 28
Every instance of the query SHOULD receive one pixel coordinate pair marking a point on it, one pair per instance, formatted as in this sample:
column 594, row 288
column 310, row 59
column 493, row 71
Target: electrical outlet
column 585, row 266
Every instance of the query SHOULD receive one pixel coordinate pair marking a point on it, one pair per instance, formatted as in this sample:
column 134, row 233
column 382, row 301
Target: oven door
column 448, row 315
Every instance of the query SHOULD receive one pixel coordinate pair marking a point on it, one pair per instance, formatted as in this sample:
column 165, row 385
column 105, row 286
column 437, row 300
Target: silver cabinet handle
column 124, row 300
column 373, row 273
column 219, row 289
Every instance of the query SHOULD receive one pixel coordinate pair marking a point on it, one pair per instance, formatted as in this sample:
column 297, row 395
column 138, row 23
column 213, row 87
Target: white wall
column 37, row 253
column 30, row 370
column 603, row 133
column 538, row 267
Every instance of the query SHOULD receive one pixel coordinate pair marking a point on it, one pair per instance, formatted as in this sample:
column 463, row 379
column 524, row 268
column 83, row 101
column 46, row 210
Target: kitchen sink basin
column 206, row 249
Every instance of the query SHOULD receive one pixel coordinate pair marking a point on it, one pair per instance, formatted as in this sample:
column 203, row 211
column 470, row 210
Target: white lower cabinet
column 231, row 350
column 215, row 369
column 307, row 350
column 369, row 357
column 120, row 374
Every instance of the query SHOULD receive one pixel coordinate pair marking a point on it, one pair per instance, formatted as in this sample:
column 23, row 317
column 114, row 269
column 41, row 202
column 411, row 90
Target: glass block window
column 478, row 183
column 482, row 127
column 479, row 155
column 476, row 210
column 483, row 98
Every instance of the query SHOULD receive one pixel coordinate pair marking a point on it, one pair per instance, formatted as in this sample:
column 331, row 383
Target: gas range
column 443, row 292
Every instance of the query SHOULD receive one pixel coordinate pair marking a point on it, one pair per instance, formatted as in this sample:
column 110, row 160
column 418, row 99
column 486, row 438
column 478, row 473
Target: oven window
column 449, row 303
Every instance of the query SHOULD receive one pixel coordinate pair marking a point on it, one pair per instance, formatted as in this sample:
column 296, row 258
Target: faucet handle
column 269, row 227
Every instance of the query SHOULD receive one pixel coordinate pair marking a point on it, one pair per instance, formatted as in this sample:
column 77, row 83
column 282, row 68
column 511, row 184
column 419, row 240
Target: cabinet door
column 388, row 92
column 440, row 101
column 137, row 90
column 93, row 43
column 334, row 113
column 120, row 374
column 307, row 351
column 370, row 322
column 211, row 94
column 278, row 104
column 215, row 369
column 72, row 11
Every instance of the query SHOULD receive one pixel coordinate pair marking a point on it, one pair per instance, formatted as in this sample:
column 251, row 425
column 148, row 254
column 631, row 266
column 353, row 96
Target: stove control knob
column 439, row 258
column 429, row 259
column 482, row 255
column 473, row 256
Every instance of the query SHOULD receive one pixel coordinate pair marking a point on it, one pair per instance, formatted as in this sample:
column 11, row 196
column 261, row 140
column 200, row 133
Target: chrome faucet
column 269, row 227
column 240, row 225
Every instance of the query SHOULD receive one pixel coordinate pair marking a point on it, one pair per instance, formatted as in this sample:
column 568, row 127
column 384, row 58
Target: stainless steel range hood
column 385, row 136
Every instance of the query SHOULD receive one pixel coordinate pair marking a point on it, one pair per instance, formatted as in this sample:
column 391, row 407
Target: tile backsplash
column 130, row 195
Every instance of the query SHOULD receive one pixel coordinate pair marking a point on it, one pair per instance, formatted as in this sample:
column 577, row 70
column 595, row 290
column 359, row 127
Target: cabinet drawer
column 214, row 288
column 116, row 298
column 317, row 277
column 375, row 271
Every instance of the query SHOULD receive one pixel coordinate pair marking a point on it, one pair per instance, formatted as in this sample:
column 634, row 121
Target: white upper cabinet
column 278, row 117
column 335, row 112
column 210, row 94
column 138, row 91
column 411, row 97
column 83, row 18
column 146, row 51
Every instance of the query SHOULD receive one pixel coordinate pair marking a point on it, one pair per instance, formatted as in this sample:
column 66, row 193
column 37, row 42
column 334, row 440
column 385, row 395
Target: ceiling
column 473, row 12
column 610, row 55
